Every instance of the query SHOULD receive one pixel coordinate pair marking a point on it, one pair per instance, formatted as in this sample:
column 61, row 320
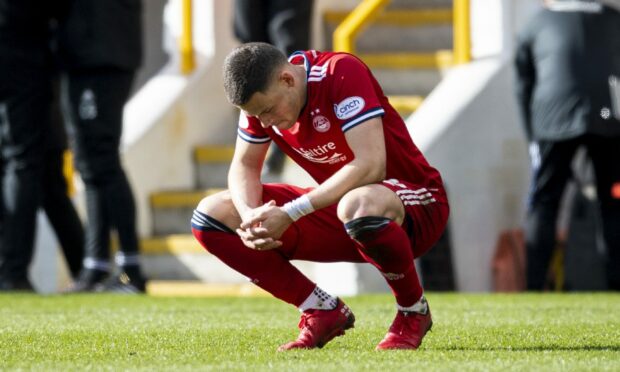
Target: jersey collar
column 306, row 61
column 301, row 54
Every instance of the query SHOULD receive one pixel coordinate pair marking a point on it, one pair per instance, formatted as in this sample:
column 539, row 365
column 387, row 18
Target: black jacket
column 102, row 33
column 563, row 61
column 25, row 30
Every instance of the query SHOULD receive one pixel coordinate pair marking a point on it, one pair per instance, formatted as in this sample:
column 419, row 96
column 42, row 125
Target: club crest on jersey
column 349, row 107
column 320, row 123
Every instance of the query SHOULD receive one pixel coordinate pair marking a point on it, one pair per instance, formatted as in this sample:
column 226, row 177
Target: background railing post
column 186, row 43
column 68, row 170
column 347, row 31
column 461, row 30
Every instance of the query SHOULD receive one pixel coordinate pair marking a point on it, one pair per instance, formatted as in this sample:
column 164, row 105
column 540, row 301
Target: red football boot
column 318, row 327
column 407, row 331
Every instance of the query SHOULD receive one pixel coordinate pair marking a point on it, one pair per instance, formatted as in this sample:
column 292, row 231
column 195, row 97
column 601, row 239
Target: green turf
column 471, row 332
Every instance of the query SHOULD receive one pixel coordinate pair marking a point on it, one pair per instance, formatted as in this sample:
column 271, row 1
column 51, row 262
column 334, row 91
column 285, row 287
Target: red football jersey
column 341, row 94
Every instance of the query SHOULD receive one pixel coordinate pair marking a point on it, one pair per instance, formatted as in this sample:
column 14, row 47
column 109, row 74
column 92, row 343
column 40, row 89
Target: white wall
column 480, row 151
column 478, row 144
column 174, row 113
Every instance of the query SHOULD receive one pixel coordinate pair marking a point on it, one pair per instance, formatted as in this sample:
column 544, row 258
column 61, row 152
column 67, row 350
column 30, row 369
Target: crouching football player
column 378, row 200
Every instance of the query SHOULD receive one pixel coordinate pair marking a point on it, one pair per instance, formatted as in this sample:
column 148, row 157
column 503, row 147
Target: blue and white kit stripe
column 201, row 221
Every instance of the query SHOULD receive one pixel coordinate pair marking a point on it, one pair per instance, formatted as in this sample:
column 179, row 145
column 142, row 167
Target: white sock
column 419, row 307
column 319, row 299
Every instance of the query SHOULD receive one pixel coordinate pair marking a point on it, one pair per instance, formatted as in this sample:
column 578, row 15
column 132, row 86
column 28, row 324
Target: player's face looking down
column 281, row 103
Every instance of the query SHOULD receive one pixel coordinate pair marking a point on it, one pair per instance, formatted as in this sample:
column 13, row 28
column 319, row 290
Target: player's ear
column 287, row 78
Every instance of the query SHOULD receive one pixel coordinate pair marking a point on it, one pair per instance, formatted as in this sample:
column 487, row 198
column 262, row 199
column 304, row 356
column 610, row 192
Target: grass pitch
column 527, row 332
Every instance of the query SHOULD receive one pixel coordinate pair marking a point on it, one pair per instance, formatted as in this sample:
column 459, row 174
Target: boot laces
column 306, row 321
column 405, row 321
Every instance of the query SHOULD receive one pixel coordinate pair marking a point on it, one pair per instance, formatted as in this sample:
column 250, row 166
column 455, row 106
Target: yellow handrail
column 186, row 46
column 461, row 32
column 68, row 171
column 345, row 33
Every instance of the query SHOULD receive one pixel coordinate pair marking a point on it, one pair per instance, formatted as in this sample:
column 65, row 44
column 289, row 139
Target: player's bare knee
column 220, row 207
column 371, row 200
column 212, row 204
column 357, row 203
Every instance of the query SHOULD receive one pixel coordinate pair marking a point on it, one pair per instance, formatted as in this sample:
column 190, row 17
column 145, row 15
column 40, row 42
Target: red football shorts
column 321, row 237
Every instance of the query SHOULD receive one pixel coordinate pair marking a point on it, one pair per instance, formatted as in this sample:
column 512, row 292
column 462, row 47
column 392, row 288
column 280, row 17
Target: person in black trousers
column 25, row 99
column 55, row 200
column 566, row 57
column 100, row 47
column 283, row 24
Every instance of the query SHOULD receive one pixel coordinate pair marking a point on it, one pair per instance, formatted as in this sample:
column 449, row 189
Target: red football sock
column 388, row 249
column 270, row 270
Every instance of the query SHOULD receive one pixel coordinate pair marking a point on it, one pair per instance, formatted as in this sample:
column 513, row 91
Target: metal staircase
column 407, row 44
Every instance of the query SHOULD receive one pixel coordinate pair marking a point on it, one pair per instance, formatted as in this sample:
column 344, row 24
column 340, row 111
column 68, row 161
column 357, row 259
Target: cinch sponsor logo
column 349, row 107
column 321, row 154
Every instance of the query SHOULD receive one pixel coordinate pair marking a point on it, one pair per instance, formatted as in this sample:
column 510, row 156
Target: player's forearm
column 353, row 175
column 245, row 188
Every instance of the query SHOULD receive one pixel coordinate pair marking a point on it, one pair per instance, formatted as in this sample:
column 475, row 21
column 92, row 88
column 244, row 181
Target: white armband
column 298, row 208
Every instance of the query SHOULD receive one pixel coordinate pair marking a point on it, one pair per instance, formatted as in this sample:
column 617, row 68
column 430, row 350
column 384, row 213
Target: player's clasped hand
column 255, row 238
column 263, row 226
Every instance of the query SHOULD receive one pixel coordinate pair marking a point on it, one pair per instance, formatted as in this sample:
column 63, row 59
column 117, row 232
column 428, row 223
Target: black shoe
column 22, row 285
column 87, row 281
column 123, row 283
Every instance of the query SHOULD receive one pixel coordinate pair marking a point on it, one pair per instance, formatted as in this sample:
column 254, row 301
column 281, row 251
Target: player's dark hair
column 248, row 69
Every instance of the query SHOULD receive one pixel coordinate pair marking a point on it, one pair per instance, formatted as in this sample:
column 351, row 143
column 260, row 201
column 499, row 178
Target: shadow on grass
column 532, row 348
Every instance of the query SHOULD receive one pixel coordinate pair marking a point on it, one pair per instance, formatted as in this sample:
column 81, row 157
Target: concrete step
column 406, row 61
column 383, row 39
column 419, row 4
column 171, row 245
column 388, row 38
column 212, row 164
column 196, row 288
column 403, row 17
column 341, row 279
column 189, row 266
column 178, row 265
column 399, row 30
column 406, row 105
column 413, row 82
column 181, row 257
column 172, row 210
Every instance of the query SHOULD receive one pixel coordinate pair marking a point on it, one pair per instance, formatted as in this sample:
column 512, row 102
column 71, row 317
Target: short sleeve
column 354, row 93
column 250, row 130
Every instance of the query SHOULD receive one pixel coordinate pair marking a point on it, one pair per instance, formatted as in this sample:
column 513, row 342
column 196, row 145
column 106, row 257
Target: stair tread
column 171, row 244
column 180, row 198
column 400, row 17
column 405, row 103
column 439, row 59
column 214, row 153
column 196, row 288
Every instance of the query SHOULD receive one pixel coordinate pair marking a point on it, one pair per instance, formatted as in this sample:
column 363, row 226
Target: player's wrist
column 297, row 208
